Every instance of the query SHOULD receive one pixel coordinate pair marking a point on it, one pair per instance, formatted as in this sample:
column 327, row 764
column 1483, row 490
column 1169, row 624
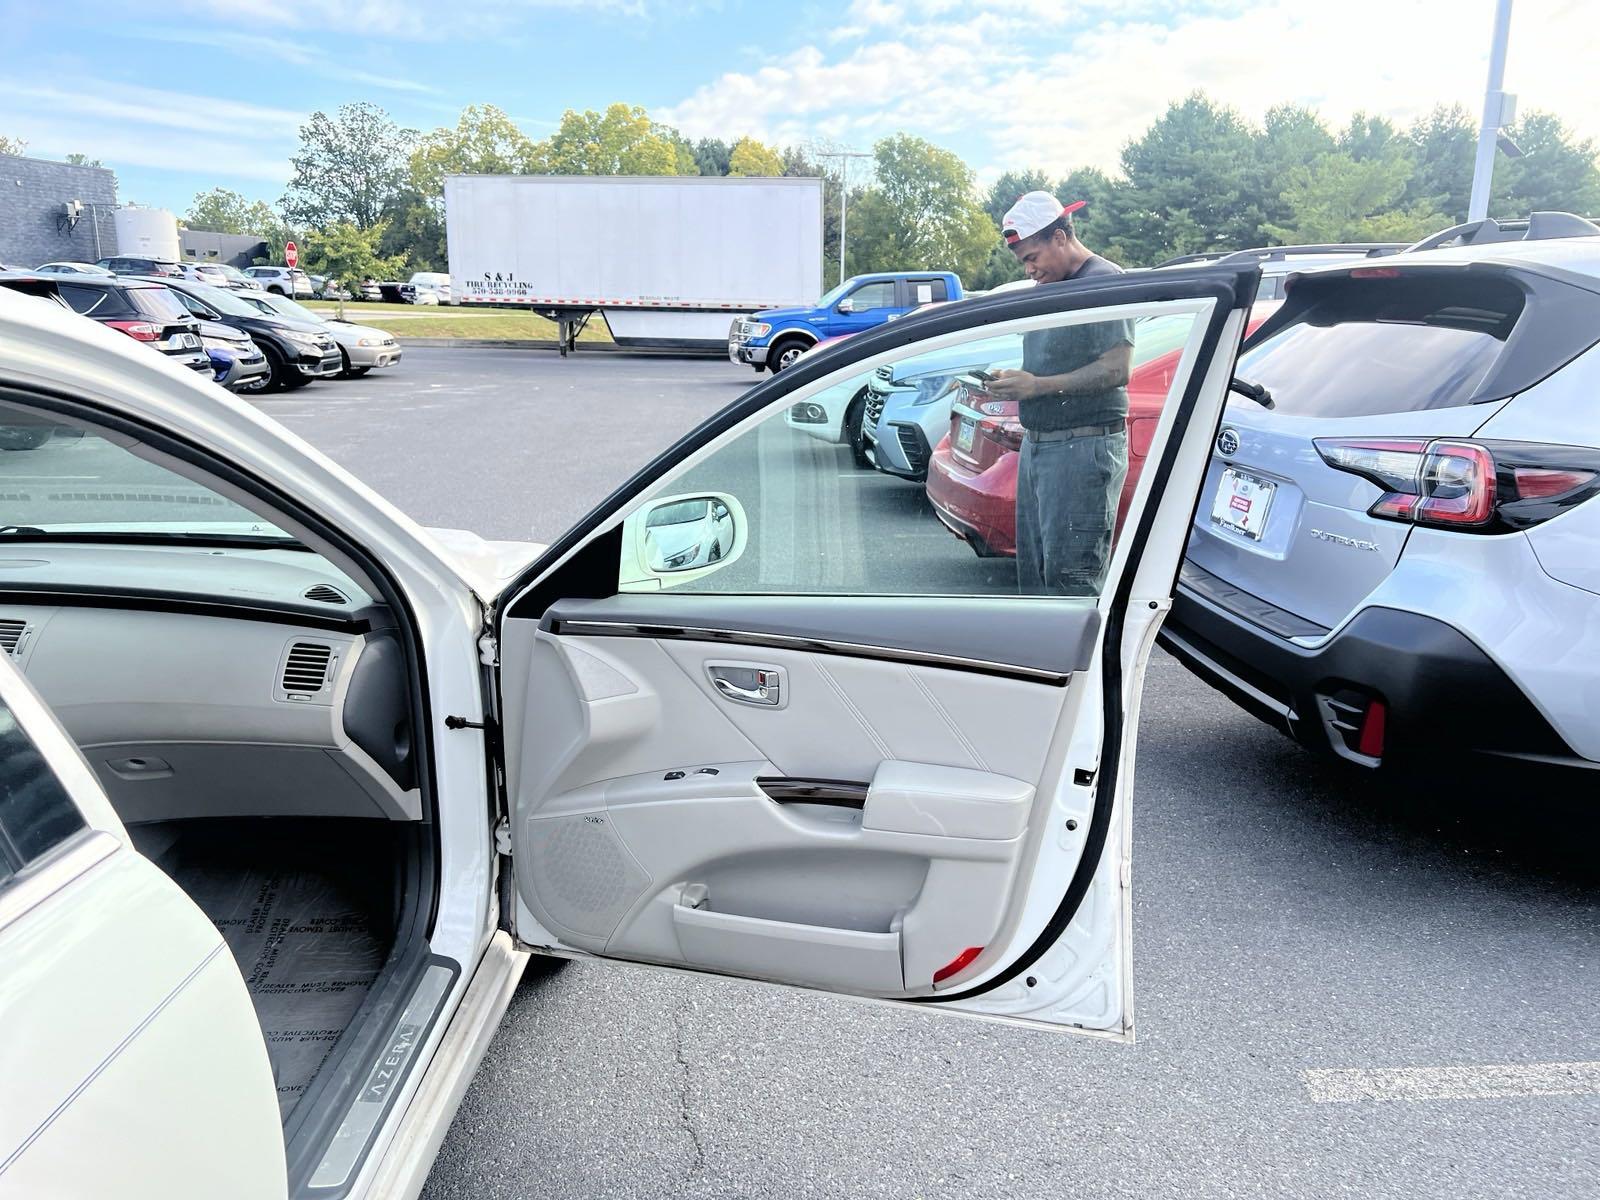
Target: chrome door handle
column 748, row 685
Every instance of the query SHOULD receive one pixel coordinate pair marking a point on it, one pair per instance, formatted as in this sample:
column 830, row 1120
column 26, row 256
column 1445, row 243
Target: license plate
column 1242, row 503
column 965, row 434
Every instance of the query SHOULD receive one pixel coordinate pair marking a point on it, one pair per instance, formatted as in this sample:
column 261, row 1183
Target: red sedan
column 972, row 479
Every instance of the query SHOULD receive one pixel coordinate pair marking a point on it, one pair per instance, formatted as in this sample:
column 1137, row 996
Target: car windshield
column 158, row 302
column 831, row 297
column 64, row 484
column 221, row 299
column 286, row 307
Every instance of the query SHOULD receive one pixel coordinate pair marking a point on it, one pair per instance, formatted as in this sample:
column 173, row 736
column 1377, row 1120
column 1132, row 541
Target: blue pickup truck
column 775, row 337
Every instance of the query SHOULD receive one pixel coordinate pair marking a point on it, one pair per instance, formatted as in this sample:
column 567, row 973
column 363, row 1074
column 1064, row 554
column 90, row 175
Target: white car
column 428, row 287
column 293, row 786
column 282, row 281
column 70, row 268
column 361, row 346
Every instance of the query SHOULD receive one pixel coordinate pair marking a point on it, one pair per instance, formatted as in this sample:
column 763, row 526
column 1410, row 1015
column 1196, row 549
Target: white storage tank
column 147, row 233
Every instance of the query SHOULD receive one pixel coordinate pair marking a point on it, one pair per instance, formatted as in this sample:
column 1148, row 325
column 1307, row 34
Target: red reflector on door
column 957, row 964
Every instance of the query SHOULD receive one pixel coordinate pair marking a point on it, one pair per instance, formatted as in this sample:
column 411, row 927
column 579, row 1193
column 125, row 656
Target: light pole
column 844, row 157
column 1498, row 109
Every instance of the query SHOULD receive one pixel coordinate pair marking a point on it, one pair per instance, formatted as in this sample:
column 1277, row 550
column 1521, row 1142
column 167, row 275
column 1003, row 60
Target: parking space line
column 1494, row 1081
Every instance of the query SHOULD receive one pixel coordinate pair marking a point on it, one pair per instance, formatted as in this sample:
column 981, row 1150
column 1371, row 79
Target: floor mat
column 306, row 943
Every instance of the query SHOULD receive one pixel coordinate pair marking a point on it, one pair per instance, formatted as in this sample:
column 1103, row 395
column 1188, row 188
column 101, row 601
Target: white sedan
column 291, row 787
column 361, row 346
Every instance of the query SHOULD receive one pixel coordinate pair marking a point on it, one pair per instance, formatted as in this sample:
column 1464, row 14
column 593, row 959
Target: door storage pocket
column 814, row 954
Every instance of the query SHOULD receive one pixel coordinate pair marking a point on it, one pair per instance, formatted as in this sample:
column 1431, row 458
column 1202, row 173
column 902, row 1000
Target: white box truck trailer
column 668, row 261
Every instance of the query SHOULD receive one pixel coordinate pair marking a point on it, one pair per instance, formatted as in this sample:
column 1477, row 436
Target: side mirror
column 675, row 539
column 847, row 305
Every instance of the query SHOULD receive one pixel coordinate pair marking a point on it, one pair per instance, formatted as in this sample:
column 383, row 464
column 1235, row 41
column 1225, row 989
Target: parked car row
column 1394, row 525
column 245, row 339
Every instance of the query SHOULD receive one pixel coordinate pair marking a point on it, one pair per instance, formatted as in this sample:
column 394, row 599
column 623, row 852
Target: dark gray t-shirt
column 1058, row 350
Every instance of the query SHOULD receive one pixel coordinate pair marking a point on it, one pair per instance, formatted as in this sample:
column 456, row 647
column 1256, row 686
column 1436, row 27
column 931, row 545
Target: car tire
column 293, row 380
column 276, row 291
column 356, row 372
column 24, row 437
column 854, row 436
column 783, row 354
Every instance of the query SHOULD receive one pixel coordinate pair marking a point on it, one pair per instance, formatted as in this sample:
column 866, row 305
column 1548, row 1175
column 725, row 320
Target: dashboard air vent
column 11, row 632
column 305, row 670
column 322, row 593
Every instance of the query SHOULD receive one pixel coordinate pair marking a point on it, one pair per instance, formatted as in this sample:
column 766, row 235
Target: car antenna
column 1255, row 391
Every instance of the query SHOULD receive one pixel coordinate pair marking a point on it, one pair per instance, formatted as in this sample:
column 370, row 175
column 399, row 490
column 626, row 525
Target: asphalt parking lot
column 1292, row 921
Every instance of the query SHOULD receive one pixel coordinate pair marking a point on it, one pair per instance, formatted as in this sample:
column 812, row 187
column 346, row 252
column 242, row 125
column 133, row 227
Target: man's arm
column 1108, row 371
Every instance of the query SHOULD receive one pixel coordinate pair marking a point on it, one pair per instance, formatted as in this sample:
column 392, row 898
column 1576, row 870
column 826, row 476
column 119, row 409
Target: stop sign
column 291, row 254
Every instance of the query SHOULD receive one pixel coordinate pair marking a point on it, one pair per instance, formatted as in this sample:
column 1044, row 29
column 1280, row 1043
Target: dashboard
column 212, row 682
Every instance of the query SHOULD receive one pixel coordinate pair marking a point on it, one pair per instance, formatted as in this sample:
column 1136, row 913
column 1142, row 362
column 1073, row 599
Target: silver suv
column 1394, row 551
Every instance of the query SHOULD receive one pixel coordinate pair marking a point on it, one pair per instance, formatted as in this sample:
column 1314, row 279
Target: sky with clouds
column 193, row 94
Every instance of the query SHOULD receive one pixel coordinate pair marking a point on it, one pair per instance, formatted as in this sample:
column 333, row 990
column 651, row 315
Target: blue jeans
column 1067, row 493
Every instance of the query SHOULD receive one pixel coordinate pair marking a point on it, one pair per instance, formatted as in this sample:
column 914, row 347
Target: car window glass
column 1367, row 346
column 950, row 492
column 90, row 301
column 36, row 813
column 873, row 295
column 158, row 302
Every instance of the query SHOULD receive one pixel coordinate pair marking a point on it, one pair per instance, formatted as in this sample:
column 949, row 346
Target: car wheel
column 784, row 354
column 356, row 372
column 293, row 380
column 276, row 372
column 23, row 437
column 853, row 435
column 277, row 291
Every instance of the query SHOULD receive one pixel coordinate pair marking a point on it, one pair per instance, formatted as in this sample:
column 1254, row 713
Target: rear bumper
column 980, row 508
column 1443, row 694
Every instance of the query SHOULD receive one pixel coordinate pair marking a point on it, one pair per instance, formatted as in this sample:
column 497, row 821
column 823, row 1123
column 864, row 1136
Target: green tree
column 920, row 213
column 798, row 163
column 413, row 230
column 484, row 141
column 1337, row 199
column 1004, row 192
column 711, row 156
column 750, row 157
column 1193, row 184
column 1291, row 137
column 1372, row 137
column 349, row 167
column 83, row 160
column 348, row 253
column 1096, row 221
column 11, row 145
column 1556, row 172
column 224, row 211
column 620, row 141
column 1444, row 145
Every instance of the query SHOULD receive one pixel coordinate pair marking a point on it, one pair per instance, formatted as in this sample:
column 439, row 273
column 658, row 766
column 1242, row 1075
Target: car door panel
column 917, row 801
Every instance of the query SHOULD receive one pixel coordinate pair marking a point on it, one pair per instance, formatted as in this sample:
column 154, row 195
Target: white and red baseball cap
column 1033, row 212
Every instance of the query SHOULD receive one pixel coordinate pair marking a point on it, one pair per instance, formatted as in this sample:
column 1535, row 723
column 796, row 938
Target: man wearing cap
column 1072, row 400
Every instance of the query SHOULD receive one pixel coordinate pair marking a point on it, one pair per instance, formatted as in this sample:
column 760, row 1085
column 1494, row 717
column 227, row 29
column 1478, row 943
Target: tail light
column 142, row 331
column 1479, row 487
column 1004, row 433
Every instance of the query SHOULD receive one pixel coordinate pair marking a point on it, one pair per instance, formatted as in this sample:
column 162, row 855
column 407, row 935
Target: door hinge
column 489, row 650
column 502, row 837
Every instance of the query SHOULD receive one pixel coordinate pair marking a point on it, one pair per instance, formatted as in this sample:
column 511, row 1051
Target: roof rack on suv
column 1266, row 254
column 1538, row 227
column 1279, row 253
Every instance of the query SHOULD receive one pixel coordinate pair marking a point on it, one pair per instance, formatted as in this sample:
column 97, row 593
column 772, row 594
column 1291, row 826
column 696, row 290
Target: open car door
column 765, row 716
